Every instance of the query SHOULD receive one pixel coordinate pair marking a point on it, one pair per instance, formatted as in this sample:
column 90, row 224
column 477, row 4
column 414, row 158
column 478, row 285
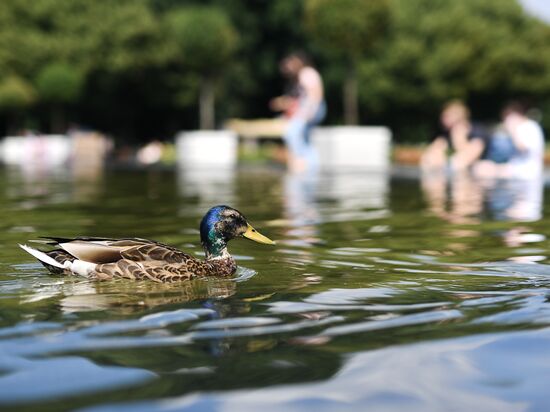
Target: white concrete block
column 46, row 150
column 207, row 148
column 352, row 147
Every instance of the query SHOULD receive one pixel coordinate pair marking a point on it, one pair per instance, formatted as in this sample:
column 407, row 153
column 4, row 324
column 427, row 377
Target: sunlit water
column 383, row 293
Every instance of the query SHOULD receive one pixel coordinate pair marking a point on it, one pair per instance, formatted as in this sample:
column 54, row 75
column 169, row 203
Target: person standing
column 304, row 106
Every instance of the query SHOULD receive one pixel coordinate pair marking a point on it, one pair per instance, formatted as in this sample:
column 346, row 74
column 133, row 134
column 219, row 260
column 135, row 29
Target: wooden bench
column 258, row 128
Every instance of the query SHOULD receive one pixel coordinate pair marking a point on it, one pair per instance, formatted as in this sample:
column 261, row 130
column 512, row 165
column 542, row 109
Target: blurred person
column 151, row 153
column 466, row 140
column 500, row 147
column 89, row 151
column 527, row 137
column 304, row 106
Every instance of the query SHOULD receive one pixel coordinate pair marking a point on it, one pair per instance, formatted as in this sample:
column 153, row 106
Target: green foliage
column 205, row 37
column 482, row 52
column 205, row 40
column 90, row 35
column 144, row 61
column 111, row 43
column 59, row 83
column 348, row 27
column 15, row 94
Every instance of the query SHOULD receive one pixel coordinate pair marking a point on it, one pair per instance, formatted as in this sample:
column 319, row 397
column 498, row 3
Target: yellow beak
column 256, row 236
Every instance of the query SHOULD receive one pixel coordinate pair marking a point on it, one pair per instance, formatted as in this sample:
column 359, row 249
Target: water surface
column 383, row 293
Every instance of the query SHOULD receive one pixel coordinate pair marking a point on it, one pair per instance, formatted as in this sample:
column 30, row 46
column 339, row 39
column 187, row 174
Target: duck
column 143, row 259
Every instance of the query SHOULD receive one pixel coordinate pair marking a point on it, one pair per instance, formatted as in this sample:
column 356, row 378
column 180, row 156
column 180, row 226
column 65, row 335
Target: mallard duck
column 134, row 258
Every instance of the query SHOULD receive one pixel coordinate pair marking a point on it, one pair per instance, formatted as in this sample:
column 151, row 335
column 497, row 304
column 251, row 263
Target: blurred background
column 139, row 70
column 390, row 288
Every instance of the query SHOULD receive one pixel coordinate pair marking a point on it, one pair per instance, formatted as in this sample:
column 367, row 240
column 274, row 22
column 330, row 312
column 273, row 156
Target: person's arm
column 434, row 157
column 459, row 136
column 281, row 103
column 512, row 124
column 468, row 154
column 519, row 140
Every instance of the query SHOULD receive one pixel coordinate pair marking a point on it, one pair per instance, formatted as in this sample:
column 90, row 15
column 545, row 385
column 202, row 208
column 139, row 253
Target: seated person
column 527, row 158
column 464, row 139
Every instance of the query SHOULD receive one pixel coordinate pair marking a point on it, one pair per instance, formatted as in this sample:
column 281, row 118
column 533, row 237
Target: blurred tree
column 58, row 85
column 16, row 95
column 207, row 40
column 482, row 52
column 269, row 30
column 113, row 44
column 99, row 35
column 143, row 76
column 351, row 29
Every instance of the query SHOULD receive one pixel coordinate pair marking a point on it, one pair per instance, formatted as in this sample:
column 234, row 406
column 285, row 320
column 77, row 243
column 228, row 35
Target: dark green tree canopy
column 15, row 94
column 482, row 52
column 348, row 30
column 148, row 58
column 59, row 83
column 89, row 35
column 204, row 35
column 347, row 27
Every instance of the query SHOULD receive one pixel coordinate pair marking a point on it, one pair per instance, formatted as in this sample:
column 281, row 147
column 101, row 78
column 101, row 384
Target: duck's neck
column 216, row 252
column 215, row 246
column 213, row 242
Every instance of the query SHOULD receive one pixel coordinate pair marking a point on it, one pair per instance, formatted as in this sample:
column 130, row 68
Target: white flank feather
column 82, row 268
column 42, row 256
column 77, row 267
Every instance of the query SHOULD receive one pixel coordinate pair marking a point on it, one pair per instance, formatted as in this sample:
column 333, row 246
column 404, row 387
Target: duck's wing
column 154, row 251
column 107, row 250
column 162, row 273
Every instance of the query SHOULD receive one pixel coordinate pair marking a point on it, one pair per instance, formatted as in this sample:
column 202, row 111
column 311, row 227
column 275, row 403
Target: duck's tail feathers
column 41, row 256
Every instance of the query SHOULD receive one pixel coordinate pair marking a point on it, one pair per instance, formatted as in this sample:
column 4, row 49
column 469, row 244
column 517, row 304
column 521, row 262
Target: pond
column 384, row 292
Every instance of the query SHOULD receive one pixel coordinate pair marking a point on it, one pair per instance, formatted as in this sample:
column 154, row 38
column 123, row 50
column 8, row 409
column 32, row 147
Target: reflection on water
column 467, row 373
column 519, row 200
column 39, row 184
column 384, row 294
column 130, row 298
column 461, row 198
column 209, row 185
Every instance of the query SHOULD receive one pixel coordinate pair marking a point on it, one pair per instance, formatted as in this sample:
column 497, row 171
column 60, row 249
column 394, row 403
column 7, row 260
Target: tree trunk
column 57, row 119
column 351, row 108
column 13, row 124
column 206, row 104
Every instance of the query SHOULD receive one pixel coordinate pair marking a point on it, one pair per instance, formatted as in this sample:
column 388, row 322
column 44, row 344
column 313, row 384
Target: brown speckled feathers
column 137, row 259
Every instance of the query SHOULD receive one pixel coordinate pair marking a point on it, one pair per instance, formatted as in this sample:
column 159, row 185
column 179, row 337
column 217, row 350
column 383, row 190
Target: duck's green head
column 223, row 223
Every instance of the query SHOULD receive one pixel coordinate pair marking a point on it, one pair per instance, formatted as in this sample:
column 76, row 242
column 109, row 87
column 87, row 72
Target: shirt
column 528, row 163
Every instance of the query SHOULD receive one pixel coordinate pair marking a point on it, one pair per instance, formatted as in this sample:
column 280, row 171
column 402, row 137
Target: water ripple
column 283, row 307
column 51, row 378
column 235, row 323
column 339, row 296
column 405, row 320
column 264, row 330
column 148, row 322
